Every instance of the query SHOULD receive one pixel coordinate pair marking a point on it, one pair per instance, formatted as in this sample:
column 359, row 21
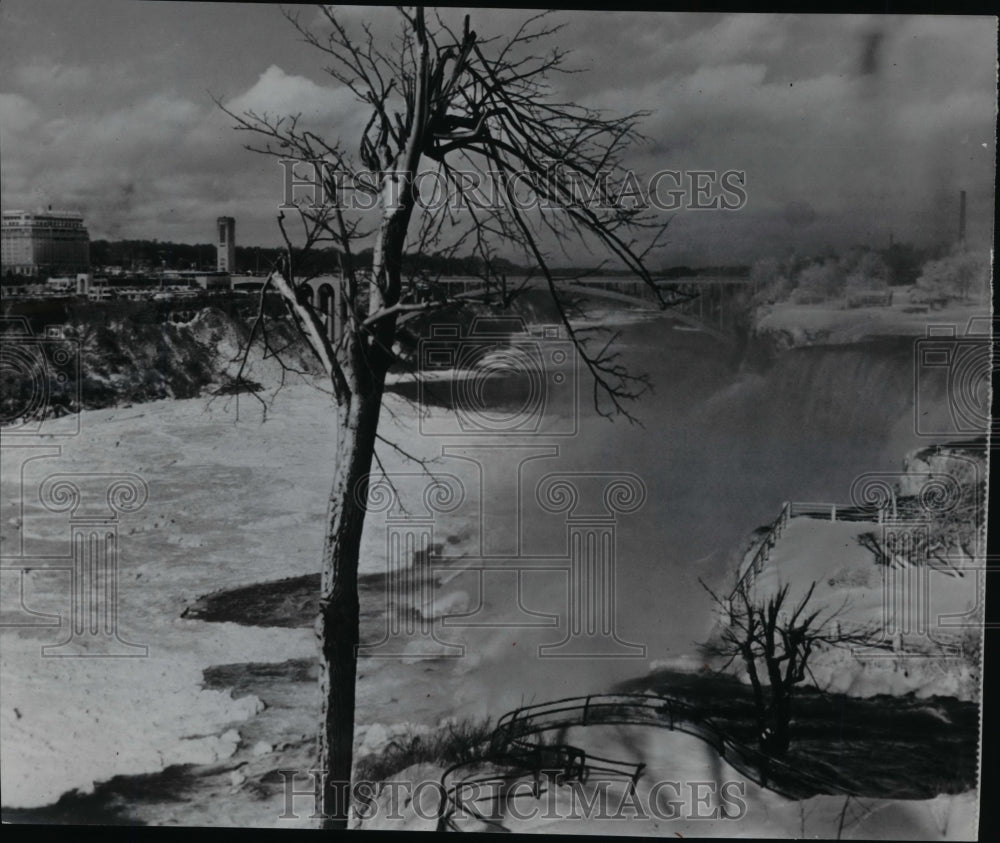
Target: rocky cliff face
column 89, row 363
column 134, row 352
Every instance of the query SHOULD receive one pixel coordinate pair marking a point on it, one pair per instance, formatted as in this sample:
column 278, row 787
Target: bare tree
column 472, row 111
column 775, row 641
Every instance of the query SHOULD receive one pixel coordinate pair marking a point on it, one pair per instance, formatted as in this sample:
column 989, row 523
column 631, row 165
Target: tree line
column 936, row 271
column 137, row 255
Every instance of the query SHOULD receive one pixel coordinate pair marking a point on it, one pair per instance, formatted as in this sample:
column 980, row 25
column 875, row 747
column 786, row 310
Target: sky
column 850, row 129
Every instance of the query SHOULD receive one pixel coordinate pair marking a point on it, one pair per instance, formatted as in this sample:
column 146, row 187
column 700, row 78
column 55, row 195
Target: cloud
column 140, row 152
column 130, row 130
column 158, row 163
column 18, row 117
column 17, row 113
column 880, row 142
column 44, row 77
column 745, row 35
column 279, row 93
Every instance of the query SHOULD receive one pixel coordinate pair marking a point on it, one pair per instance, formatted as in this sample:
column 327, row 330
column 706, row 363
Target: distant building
column 248, row 283
column 226, row 244
column 61, row 283
column 211, row 281
column 95, row 289
column 83, row 284
column 43, row 243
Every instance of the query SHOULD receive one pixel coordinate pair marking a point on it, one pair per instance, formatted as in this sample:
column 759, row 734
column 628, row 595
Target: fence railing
column 517, row 745
column 763, row 552
column 801, row 509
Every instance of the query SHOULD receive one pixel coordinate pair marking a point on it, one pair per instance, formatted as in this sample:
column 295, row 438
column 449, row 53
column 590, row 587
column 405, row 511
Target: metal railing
column 800, row 509
column 763, row 553
column 517, row 746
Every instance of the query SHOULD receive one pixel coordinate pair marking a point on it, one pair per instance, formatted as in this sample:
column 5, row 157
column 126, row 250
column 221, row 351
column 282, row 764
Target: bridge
column 323, row 295
column 710, row 303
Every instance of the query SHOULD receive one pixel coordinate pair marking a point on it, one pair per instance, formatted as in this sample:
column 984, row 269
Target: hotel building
column 43, row 243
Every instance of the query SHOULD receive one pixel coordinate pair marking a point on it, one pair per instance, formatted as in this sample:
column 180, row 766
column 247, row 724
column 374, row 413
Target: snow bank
column 846, row 574
column 830, row 323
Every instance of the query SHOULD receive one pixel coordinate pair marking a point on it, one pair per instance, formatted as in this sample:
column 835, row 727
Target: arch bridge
column 713, row 305
column 324, row 295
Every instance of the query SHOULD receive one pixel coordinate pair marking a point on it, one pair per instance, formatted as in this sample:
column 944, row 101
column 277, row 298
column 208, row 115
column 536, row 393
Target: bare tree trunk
column 337, row 625
column 782, row 724
column 759, row 703
column 777, row 738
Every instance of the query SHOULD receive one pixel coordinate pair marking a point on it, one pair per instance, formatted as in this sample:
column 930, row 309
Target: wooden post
column 336, row 317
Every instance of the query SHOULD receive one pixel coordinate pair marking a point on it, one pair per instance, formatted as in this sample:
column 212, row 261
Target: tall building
column 43, row 243
column 226, row 244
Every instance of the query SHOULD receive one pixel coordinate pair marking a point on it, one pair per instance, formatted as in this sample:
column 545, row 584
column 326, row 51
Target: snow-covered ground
column 67, row 723
column 833, row 323
column 863, row 594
